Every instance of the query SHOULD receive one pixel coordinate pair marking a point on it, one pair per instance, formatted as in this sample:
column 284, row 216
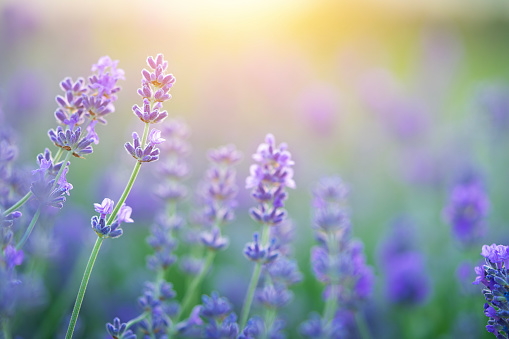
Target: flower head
column 147, row 154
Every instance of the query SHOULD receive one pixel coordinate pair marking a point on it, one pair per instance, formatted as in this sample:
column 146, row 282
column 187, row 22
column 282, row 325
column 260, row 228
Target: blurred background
column 402, row 99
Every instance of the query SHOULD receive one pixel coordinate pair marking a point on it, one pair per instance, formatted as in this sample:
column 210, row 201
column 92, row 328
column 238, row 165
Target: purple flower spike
column 148, row 154
column 118, row 330
column 494, row 276
column 149, row 115
column 104, row 208
column 467, row 209
column 156, row 84
column 213, row 240
column 69, row 140
column 96, row 108
column 226, row 155
column 12, row 257
column 256, row 252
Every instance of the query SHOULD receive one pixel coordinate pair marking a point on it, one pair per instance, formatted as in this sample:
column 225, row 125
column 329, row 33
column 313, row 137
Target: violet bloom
column 406, row 279
column 149, row 115
column 144, row 153
column 71, row 140
column 113, row 230
column 467, row 209
column 156, row 84
column 213, row 319
column 494, row 276
column 338, row 261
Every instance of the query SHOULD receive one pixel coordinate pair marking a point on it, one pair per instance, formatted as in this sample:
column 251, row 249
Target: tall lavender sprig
column 338, row 262
column 160, row 309
column 144, row 150
column 269, row 177
column 467, row 209
column 495, row 278
column 50, row 185
column 217, row 195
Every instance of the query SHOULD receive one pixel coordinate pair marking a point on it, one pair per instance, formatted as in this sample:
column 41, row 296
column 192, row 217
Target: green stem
column 6, row 330
column 83, row 287
column 331, row 304
column 127, row 189
column 270, row 316
column 18, row 204
column 53, row 315
column 195, row 283
column 253, row 283
column 29, row 229
column 362, row 325
column 58, row 155
column 97, row 246
column 136, row 320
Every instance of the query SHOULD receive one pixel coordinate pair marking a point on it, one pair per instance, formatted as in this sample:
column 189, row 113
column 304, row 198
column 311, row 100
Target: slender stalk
column 270, row 316
column 136, row 320
column 29, row 229
column 362, row 325
column 6, row 329
column 54, row 314
column 58, row 155
column 18, row 204
column 195, row 283
column 253, row 283
column 331, row 304
column 97, row 246
column 127, row 189
column 83, row 287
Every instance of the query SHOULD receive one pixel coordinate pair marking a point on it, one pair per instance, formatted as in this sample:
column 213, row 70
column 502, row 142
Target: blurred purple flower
column 467, row 209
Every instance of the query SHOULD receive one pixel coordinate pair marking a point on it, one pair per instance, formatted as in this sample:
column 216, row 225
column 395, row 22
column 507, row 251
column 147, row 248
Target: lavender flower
column 145, row 153
column 218, row 320
column 118, row 330
column 406, row 279
column 156, row 84
column 467, row 209
column 494, row 276
column 338, row 261
column 149, row 115
column 99, row 224
column 70, row 140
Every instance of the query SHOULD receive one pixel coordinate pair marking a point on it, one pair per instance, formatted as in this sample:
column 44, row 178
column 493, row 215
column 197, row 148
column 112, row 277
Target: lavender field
column 254, row 169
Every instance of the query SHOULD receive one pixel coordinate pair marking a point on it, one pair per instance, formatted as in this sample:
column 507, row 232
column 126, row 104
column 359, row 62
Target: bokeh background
column 400, row 98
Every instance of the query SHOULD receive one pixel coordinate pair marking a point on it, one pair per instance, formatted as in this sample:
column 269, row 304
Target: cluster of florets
column 268, row 178
column 406, row 278
column 467, row 209
column 494, row 276
column 119, row 330
column 86, row 103
column 157, row 300
column 217, row 197
column 338, row 261
column 280, row 271
column 156, row 84
column 213, row 319
column 155, row 89
column 105, row 228
column 71, row 140
column 147, row 152
column 44, row 188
